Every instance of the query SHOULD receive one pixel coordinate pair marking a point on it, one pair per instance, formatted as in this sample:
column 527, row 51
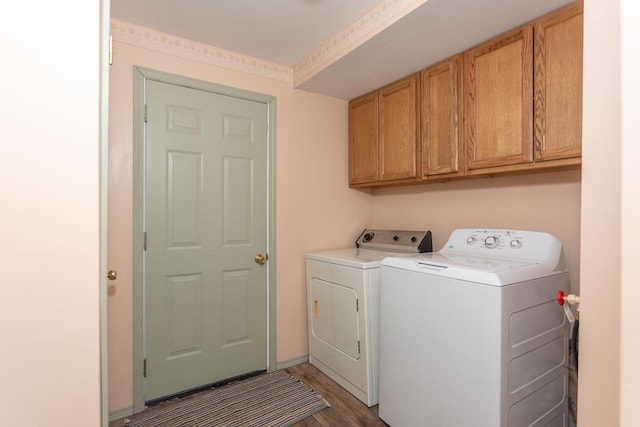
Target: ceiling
column 287, row 32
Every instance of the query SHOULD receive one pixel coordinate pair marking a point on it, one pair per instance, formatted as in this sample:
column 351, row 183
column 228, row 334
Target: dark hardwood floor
column 345, row 411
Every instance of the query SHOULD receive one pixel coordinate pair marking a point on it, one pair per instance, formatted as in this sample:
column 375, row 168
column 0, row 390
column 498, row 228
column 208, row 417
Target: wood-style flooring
column 345, row 411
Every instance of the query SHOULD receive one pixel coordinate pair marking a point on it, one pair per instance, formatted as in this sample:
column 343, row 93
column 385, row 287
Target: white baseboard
column 292, row 362
column 120, row 413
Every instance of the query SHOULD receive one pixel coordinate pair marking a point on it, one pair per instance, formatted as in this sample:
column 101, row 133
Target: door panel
column 235, row 325
column 237, row 201
column 399, row 129
column 499, row 101
column 335, row 316
column 558, row 84
column 184, row 197
column 441, row 89
column 186, row 331
column 205, row 218
column 363, row 139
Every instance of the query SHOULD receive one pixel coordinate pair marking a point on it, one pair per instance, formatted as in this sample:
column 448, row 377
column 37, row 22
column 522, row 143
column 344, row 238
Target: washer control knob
column 491, row 242
column 515, row 244
column 471, row 240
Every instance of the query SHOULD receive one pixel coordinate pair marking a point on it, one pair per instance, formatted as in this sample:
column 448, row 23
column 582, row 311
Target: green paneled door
column 206, row 219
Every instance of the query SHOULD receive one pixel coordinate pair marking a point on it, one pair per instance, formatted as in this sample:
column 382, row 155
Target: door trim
column 105, row 17
column 141, row 74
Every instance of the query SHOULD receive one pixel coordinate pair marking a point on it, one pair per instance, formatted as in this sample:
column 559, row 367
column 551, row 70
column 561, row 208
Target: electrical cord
column 573, row 344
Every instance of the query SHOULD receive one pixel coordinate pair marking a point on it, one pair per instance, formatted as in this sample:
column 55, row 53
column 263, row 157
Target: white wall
column 599, row 376
column 630, row 153
column 609, row 381
column 49, row 233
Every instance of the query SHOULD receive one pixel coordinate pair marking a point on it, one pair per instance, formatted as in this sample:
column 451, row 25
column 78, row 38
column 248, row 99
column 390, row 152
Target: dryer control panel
column 519, row 244
column 395, row 240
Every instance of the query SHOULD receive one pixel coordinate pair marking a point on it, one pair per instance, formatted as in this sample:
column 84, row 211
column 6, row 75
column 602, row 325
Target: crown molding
column 377, row 20
column 351, row 37
column 138, row 36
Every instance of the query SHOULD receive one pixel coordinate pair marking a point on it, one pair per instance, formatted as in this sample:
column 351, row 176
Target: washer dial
column 491, row 242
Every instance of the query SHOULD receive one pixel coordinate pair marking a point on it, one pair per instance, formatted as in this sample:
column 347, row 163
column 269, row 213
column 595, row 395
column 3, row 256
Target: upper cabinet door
column 363, row 139
column 499, row 101
column 399, row 130
column 558, row 84
column 441, row 91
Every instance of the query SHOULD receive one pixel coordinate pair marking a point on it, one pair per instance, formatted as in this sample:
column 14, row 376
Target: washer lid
column 484, row 270
column 352, row 257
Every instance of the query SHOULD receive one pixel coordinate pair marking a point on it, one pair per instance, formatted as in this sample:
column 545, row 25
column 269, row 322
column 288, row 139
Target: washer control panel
column 494, row 239
column 502, row 243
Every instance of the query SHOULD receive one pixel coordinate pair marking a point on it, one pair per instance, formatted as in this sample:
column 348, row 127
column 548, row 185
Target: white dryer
column 472, row 335
column 343, row 300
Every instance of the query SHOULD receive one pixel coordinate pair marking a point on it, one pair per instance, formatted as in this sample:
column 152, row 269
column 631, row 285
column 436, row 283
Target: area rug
column 276, row 399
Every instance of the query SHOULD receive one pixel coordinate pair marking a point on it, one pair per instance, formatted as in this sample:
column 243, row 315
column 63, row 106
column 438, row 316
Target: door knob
column 260, row 259
column 112, row 275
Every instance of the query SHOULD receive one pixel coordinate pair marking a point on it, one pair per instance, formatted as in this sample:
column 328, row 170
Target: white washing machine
column 343, row 300
column 472, row 335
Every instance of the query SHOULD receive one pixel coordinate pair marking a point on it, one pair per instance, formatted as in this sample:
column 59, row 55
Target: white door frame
column 139, row 76
column 105, row 59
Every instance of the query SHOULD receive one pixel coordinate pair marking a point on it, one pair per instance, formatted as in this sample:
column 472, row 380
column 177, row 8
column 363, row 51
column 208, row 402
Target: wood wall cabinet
column 384, row 134
column 523, row 96
column 399, row 130
column 498, row 105
column 363, row 139
column 513, row 103
column 441, row 95
column 558, row 85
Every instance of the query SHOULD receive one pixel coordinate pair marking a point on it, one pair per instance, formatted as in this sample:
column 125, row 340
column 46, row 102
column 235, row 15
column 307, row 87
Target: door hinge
column 144, row 364
column 357, row 306
column 110, row 49
column 146, row 113
column 144, row 241
column 358, row 348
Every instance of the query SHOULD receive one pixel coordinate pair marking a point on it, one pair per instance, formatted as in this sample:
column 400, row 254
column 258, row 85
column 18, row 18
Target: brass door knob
column 112, row 275
column 260, row 259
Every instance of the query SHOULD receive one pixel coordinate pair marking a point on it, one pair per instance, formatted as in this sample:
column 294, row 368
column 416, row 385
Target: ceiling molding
column 373, row 23
column 377, row 20
column 138, row 36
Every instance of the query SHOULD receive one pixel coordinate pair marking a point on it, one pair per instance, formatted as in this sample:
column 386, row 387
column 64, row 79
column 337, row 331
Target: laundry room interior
column 88, row 83
column 316, row 209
